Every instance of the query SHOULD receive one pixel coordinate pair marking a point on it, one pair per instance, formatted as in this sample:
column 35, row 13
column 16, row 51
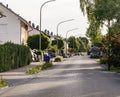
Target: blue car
column 51, row 54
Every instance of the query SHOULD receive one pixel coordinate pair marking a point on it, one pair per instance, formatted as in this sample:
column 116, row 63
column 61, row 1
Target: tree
column 102, row 11
column 33, row 41
column 83, row 44
column 94, row 30
column 60, row 43
column 73, row 43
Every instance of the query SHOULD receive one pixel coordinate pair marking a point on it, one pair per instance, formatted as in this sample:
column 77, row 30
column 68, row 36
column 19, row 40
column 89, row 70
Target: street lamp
column 40, row 20
column 59, row 25
column 66, row 36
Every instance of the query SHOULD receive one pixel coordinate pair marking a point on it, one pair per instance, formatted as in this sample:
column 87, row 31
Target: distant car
column 63, row 55
column 34, row 56
column 94, row 52
column 51, row 54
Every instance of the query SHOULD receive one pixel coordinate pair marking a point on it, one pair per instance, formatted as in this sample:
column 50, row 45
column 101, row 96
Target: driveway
column 78, row 76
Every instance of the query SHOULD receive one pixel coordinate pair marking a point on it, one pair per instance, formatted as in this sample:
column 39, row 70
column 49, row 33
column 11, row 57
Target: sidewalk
column 17, row 76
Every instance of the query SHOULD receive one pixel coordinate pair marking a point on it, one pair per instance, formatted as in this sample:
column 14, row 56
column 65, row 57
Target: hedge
column 13, row 56
column 58, row 59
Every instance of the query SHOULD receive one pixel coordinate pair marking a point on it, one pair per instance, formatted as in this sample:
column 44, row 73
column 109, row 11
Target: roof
column 21, row 19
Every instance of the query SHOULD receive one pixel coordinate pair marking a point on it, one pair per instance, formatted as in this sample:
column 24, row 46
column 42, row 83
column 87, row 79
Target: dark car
column 94, row 52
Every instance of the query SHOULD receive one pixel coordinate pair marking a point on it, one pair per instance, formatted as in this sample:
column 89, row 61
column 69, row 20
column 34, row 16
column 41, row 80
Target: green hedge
column 58, row 59
column 13, row 56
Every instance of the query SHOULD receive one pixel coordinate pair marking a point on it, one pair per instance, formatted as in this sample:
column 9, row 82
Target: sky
column 52, row 14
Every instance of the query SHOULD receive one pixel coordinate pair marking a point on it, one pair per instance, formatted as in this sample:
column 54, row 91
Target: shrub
column 13, row 56
column 33, row 41
column 3, row 83
column 103, row 60
column 58, row 59
column 115, row 69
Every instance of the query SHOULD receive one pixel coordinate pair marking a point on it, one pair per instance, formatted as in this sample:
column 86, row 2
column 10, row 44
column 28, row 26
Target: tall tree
column 73, row 43
column 59, row 42
column 33, row 41
column 104, row 12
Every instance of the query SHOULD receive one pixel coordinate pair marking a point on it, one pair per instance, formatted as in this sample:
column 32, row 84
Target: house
column 36, row 30
column 13, row 27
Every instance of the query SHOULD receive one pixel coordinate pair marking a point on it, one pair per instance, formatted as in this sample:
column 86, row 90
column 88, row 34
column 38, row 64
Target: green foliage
column 103, row 60
column 3, row 83
column 107, row 9
column 45, row 41
column 58, row 59
column 38, row 52
column 83, row 44
column 73, row 43
column 78, row 44
column 33, row 41
column 39, row 68
column 115, row 69
column 59, row 42
column 46, row 65
column 13, row 56
column 115, row 51
column 104, row 12
column 52, row 48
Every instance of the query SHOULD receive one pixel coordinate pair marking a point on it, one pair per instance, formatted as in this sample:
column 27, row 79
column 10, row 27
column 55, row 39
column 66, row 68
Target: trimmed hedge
column 58, row 59
column 13, row 56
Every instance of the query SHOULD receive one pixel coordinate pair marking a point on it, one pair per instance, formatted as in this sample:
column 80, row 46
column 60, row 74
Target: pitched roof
column 21, row 19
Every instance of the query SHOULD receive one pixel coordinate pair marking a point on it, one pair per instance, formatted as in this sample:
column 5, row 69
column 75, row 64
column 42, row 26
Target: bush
column 58, row 59
column 115, row 69
column 33, row 41
column 103, row 60
column 3, row 83
column 13, row 56
column 39, row 68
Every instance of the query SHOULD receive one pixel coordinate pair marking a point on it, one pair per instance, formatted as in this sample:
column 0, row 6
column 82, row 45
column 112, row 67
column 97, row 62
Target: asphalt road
column 78, row 76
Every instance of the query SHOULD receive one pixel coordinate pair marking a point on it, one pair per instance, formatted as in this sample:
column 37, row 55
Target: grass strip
column 38, row 69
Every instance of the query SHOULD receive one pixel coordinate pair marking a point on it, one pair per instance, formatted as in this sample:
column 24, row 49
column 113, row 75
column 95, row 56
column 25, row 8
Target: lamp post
column 40, row 23
column 59, row 25
column 62, row 23
column 67, row 34
column 40, row 20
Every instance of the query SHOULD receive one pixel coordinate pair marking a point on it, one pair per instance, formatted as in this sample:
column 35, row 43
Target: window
column 3, row 28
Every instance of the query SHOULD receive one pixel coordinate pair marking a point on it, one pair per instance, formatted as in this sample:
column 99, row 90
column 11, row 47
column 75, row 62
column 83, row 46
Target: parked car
column 34, row 56
column 94, row 52
column 63, row 55
column 51, row 54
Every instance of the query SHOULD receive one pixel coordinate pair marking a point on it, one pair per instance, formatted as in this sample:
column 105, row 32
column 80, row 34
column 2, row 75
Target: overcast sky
column 52, row 13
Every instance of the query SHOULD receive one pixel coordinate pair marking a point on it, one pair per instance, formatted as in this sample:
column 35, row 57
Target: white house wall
column 9, row 27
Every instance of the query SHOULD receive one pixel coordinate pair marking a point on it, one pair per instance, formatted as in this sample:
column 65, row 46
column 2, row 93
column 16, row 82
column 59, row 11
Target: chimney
column 52, row 33
column 7, row 5
column 37, row 27
column 29, row 22
column 33, row 25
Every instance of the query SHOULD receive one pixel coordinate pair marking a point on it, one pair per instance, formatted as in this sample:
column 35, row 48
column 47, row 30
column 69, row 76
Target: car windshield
column 94, row 50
